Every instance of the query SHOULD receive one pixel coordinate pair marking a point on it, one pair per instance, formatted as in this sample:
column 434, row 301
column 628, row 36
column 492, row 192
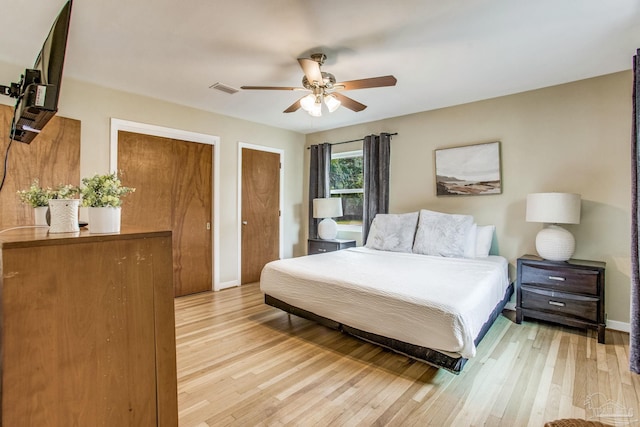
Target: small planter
column 104, row 220
column 64, row 215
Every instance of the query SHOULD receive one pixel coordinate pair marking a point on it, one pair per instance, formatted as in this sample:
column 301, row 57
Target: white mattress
column 435, row 302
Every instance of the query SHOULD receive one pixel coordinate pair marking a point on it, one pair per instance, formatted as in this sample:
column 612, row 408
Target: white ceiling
column 443, row 53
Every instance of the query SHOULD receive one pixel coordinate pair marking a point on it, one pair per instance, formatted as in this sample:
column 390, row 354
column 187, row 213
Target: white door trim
column 280, row 152
column 183, row 135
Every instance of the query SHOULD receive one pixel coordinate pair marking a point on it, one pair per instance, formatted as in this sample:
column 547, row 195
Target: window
column 347, row 181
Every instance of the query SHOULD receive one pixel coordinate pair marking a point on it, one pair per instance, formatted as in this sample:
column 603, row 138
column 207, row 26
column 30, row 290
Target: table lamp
column 327, row 209
column 553, row 242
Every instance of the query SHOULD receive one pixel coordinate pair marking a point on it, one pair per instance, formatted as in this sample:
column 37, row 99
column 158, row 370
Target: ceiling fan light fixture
column 332, row 102
column 308, row 102
column 316, row 110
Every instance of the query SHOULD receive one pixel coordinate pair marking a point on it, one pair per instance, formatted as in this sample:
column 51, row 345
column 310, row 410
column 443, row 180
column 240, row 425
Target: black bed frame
column 423, row 354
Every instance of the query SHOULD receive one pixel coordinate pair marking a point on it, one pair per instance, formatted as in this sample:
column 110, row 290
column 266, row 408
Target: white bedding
column 431, row 301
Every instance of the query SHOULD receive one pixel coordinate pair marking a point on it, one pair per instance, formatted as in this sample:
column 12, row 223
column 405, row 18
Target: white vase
column 64, row 215
column 104, row 220
column 40, row 213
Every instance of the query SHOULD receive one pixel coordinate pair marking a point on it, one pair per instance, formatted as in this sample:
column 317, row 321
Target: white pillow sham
column 470, row 242
column 392, row 232
column 484, row 239
column 442, row 234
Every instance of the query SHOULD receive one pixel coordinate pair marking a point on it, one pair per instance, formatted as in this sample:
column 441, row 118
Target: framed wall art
column 468, row 170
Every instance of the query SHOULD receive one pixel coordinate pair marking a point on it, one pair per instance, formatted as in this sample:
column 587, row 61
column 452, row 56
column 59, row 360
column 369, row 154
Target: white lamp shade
column 329, row 207
column 553, row 208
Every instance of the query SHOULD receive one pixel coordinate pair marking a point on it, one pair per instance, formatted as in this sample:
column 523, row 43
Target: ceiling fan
column 323, row 87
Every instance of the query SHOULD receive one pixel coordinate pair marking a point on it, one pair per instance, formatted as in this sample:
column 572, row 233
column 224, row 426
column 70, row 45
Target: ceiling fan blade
column 311, row 70
column 349, row 103
column 293, row 107
column 368, row 83
column 270, row 88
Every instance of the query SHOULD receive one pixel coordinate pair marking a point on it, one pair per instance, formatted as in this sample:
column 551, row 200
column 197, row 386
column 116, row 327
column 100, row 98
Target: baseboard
column 225, row 285
column 619, row 326
column 611, row 324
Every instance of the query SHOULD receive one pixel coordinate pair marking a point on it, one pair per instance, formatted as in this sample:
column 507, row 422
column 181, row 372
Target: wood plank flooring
column 243, row 363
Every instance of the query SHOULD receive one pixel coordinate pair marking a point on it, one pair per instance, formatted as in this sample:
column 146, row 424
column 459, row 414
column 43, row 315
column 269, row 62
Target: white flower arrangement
column 101, row 191
column 36, row 196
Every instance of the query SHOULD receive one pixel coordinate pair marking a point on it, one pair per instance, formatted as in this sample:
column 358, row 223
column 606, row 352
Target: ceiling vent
column 224, row 88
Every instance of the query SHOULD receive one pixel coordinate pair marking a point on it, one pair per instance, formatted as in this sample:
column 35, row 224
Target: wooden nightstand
column 320, row 246
column 570, row 293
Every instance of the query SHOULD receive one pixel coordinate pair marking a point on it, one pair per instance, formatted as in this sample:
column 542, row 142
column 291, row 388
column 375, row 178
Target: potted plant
column 38, row 198
column 102, row 194
column 63, row 209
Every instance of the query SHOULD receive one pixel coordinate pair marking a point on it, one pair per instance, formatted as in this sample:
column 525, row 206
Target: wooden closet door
column 173, row 192
column 53, row 157
column 260, row 211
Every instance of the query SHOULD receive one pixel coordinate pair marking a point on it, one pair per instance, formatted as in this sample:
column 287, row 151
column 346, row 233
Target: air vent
column 224, row 88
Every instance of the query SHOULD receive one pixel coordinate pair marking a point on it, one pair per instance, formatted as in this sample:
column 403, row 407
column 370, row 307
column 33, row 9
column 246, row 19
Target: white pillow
column 470, row 242
column 442, row 234
column 484, row 238
column 392, row 232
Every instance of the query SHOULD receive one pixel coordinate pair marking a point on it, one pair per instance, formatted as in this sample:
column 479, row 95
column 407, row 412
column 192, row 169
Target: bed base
column 422, row 354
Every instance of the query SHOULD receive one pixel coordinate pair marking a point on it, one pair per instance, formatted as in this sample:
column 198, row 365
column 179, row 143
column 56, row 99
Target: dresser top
column 40, row 236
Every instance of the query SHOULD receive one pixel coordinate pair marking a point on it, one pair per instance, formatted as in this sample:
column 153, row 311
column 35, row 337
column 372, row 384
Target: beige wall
column 94, row 106
column 572, row 138
column 568, row 138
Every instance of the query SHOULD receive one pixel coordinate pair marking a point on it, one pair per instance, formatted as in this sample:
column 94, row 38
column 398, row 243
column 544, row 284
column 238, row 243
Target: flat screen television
column 39, row 88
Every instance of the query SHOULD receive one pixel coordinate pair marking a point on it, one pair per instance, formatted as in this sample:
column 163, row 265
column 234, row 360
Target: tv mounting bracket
column 15, row 90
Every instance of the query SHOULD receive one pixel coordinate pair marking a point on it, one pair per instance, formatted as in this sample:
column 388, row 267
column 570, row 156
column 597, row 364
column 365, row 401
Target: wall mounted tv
column 39, row 88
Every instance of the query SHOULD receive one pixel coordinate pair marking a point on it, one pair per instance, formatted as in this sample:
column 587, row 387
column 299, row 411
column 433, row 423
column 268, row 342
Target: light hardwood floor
column 243, row 363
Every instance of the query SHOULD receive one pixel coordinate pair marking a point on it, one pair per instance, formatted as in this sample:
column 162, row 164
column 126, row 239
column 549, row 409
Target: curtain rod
column 353, row 140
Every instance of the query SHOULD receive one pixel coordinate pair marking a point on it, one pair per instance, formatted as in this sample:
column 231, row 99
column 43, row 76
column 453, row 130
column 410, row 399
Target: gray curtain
column 376, row 152
column 318, row 180
column 634, row 347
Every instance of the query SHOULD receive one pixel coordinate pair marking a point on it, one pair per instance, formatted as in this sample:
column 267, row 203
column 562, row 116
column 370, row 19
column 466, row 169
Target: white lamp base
column 554, row 243
column 327, row 229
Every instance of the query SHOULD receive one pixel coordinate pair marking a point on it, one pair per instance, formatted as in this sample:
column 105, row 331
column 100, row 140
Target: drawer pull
column 322, row 250
column 557, row 278
column 557, row 304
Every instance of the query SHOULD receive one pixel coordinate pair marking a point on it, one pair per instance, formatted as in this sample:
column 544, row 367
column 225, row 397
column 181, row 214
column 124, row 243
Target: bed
column 432, row 307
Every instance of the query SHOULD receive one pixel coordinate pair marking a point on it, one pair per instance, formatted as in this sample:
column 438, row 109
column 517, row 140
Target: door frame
column 280, row 152
column 183, row 135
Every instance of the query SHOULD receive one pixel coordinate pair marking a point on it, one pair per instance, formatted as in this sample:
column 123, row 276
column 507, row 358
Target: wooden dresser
column 87, row 329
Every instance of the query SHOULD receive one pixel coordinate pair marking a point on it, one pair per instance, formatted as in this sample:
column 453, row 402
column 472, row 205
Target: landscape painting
column 468, row 170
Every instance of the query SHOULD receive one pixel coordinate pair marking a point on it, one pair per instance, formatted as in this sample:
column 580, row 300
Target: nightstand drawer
column 578, row 306
column 563, row 279
column 320, row 246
